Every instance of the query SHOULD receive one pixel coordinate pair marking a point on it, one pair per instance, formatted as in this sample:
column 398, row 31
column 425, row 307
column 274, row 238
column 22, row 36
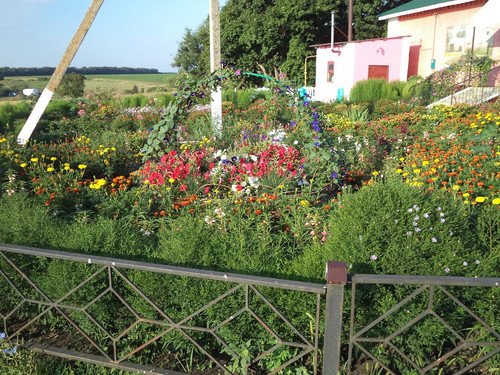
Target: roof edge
column 423, row 9
column 358, row 41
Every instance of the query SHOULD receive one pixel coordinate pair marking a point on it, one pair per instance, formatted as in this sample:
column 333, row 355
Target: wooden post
column 215, row 60
column 58, row 74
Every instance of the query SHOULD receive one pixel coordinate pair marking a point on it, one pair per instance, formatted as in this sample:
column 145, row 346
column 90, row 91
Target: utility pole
column 58, row 74
column 215, row 60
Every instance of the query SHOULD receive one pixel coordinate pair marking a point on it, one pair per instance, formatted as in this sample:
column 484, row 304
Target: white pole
column 332, row 42
column 56, row 78
column 215, row 59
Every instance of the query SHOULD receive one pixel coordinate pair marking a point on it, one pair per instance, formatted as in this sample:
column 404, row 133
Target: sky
column 125, row 33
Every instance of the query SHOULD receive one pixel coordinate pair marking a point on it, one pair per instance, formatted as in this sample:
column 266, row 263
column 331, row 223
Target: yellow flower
column 416, row 171
column 425, row 162
column 82, row 166
column 171, row 180
column 481, row 199
column 399, row 170
column 34, row 160
column 456, row 187
column 101, row 182
column 466, row 195
column 375, row 173
column 50, row 169
column 496, row 201
column 23, row 165
column 53, row 158
column 305, row 203
column 436, row 160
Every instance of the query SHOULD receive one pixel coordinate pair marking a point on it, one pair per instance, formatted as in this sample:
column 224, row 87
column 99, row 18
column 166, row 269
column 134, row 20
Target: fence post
column 336, row 278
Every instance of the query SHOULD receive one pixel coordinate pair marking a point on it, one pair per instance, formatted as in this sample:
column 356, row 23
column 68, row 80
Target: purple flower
column 306, row 102
column 334, row 175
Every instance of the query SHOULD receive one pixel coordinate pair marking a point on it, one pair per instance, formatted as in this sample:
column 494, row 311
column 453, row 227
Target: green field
column 116, row 83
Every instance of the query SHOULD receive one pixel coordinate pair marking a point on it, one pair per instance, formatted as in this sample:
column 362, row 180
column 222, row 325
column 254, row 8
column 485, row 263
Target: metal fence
column 128, row 315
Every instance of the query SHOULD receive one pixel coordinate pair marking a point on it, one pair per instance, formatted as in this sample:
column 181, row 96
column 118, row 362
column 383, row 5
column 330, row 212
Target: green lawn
column 116, row 83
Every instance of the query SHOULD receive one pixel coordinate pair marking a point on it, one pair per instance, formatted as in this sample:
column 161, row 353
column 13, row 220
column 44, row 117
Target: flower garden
column 390, row 188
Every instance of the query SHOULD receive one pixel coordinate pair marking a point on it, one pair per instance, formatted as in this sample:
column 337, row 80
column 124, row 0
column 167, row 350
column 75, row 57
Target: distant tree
column 72, row 84
column 2, row 77
column 135, row 89
column 193, row 54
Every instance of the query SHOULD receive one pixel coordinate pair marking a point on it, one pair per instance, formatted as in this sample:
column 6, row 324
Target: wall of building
column 391, row 52
column 430, row 30
column 343, row 57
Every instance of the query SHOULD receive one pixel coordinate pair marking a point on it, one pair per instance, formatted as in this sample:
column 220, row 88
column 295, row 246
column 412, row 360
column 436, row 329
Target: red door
column 378, row 71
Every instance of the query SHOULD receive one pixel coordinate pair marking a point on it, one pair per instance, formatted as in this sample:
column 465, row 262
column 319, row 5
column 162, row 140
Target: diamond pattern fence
column 158, row 319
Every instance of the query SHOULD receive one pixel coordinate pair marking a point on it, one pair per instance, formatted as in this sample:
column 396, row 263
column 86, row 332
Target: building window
column 330, row 74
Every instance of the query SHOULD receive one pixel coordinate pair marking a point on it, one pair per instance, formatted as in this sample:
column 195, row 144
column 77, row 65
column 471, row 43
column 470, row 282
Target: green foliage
column 193, row 55
column 11, row 112
column 368, row 91
column 395, row 228
column 72, row 85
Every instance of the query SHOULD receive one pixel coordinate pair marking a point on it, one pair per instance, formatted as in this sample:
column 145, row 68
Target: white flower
column 373, row 257
column 433, row 239
column 465, row 264
column 447, row 269
column 477, row 261
column 219, row 212
column 253, row 181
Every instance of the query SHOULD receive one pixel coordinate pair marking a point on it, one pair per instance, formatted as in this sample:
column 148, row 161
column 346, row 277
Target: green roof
column 415, row 5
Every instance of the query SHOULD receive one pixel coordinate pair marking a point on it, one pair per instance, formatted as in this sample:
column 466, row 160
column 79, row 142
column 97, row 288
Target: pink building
column 338, row 69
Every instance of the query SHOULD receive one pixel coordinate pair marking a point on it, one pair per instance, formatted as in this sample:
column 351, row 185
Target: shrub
column 393, row 228
column 11, row 112
column 368, row 90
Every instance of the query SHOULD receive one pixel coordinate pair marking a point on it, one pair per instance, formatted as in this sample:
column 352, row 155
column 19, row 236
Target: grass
column 117, row 83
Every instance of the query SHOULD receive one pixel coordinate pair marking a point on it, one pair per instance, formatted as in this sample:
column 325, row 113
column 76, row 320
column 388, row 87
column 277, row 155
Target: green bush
column 368, row 90
column 393, row 228
column 11, row 112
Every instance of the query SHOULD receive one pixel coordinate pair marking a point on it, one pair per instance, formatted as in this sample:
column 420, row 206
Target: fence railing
column 129, row 315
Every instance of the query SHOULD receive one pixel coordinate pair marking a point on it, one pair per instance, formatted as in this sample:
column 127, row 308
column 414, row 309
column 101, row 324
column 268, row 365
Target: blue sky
column 133, row 33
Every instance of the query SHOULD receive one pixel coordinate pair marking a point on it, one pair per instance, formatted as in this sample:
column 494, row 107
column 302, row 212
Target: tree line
column 275, row 36
column 46, row 70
